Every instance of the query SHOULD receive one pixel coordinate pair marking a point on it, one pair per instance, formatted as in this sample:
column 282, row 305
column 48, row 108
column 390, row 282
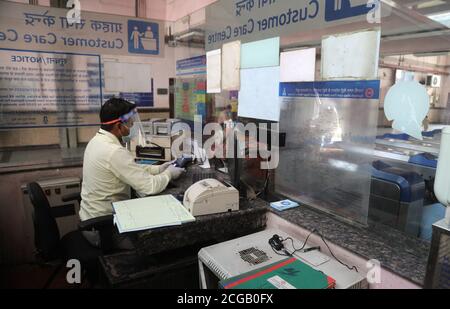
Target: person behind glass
column 426, row 124
column 225, row 120
column 110, row 170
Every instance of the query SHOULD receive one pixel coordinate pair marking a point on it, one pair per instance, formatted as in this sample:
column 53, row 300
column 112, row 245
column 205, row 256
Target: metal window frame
column 440, row 229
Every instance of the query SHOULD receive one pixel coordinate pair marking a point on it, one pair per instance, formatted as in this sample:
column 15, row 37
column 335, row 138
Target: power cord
column 276, row 242
column 251, row 193
column 266, row 183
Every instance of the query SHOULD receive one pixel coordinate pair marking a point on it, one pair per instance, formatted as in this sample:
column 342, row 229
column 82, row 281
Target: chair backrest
column 46, row 232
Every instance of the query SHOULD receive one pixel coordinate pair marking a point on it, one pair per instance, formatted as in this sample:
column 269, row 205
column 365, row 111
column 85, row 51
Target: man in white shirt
column 109, row 169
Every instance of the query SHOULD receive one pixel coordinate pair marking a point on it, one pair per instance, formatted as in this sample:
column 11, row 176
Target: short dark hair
column 112, row 110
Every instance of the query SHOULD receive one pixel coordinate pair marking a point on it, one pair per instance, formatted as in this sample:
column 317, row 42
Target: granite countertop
column 207, row 230
column 126, row 268
column 398, row 253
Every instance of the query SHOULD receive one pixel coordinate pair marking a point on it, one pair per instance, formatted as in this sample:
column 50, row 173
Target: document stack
column 149, row 213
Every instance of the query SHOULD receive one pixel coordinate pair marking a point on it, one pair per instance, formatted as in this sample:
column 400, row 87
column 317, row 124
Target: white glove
column 164, row 166
column 175, row 172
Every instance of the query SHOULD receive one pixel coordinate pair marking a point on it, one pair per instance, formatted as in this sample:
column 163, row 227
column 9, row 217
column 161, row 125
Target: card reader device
column 156, row 140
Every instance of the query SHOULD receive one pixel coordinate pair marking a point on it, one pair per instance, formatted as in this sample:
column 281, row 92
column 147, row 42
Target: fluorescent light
column 190, row 34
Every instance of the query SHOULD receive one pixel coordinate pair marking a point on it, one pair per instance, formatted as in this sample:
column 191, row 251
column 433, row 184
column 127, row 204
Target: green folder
column 286, row 274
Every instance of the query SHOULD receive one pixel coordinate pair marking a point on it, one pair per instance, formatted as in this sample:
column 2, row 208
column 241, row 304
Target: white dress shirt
column 109, row 170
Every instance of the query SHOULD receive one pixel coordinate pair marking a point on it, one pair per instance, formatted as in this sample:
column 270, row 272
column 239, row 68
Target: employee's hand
column 164, row 166
column 175, row 172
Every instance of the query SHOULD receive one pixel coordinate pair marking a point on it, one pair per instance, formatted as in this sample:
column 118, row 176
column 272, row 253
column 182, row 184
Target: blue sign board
column 191, row 66
column 332, row 89
column 143, row 37
column 342, row 9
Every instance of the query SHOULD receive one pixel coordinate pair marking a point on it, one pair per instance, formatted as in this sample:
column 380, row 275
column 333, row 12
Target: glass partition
column 341, row 153
column 329, row 142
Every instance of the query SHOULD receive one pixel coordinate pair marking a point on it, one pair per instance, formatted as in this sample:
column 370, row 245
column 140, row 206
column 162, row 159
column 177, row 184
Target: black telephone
column 276, row 243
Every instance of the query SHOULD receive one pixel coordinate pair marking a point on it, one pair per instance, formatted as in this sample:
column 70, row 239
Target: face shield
column 133, row 122
column 131, row 119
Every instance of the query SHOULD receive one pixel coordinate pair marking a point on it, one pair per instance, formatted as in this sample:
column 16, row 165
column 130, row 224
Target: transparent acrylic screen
column 327, row 158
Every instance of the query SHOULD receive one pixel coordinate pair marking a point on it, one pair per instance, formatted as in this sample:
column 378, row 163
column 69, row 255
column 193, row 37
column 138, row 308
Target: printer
column 210, row 196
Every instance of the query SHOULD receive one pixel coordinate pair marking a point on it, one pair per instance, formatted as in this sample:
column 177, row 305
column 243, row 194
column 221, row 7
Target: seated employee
column 109, row 169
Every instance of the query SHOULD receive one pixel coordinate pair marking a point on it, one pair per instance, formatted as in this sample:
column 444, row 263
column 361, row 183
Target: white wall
column 20, row 1
column 118, row 7
column 162, row 69
column 177, row 9
column 445, row 92
column 169, row 10
column 187, row 52
column 157, row 9
column 44, row 2
column 445, row 86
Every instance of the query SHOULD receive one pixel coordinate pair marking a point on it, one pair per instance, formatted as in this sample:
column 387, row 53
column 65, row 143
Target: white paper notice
column 351, row 56
column 298, row 66
column 231, row 65
column 214, row 71
column 259, row 95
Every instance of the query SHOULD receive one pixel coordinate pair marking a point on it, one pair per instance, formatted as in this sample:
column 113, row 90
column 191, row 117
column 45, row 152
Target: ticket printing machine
column 395, row 177
column 156, row 140
column 397, row 197
column 399, row 150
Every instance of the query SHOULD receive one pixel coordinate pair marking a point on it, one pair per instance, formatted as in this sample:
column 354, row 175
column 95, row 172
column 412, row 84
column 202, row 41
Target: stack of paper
column 149, row 213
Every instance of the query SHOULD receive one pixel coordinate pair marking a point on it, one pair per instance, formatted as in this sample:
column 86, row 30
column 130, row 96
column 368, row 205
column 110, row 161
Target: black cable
column 276, row 243
column 304, row 245
column 350, row 268
column 266, row 183
column 326, row 244
column 279, row 252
